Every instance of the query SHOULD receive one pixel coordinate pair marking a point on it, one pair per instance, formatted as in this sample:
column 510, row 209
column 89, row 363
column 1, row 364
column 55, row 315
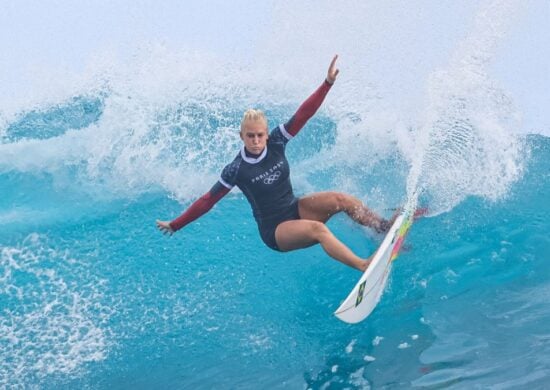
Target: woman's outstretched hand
column 164, row 227
column 332, row 71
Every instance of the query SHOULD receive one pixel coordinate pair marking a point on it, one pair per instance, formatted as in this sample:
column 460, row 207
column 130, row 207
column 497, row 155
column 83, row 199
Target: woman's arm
column 196, row 210
column 312, row 104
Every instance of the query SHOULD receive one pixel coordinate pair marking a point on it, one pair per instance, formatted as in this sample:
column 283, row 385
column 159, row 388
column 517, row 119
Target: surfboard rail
column 367, row 292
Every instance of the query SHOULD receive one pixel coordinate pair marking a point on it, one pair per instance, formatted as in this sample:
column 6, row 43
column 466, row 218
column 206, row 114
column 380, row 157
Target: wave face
column 93, row 296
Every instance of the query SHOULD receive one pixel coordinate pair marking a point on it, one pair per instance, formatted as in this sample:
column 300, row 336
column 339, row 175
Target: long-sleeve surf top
column 264, row 178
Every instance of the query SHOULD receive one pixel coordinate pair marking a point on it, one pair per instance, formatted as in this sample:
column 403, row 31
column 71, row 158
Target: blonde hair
column 253, row 115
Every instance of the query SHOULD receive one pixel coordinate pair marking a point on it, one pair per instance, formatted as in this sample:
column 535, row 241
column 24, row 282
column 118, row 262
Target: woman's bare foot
column 385, row 224
column 420, row 212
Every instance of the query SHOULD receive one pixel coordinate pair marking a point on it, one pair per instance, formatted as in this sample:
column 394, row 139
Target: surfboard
column 366, row 294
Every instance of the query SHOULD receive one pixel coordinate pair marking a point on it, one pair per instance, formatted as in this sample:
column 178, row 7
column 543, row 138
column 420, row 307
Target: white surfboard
column 367, row 292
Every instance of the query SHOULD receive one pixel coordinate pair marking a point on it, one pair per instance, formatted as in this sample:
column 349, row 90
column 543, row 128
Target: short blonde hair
column 253, row 116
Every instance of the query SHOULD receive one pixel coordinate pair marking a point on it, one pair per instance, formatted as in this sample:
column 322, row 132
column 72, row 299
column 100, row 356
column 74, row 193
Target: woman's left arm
column 312, row 104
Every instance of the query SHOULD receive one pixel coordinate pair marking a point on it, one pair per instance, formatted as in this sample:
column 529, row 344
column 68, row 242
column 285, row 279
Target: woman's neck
column 252, row 155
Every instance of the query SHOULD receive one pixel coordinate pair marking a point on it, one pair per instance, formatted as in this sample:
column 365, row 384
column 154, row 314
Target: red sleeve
column 200, row 207
column 307, row 109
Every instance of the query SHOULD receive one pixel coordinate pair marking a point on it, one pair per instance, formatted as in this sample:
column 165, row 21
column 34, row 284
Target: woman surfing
column 261, row 171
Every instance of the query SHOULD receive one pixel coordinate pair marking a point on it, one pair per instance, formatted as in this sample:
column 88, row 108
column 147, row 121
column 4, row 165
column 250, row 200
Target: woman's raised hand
column 332, row 71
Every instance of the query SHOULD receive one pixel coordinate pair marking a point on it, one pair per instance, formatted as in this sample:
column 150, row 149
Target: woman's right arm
column 196, row 210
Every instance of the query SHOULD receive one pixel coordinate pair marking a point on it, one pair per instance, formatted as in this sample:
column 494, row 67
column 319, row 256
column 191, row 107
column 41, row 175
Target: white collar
column 252, row 160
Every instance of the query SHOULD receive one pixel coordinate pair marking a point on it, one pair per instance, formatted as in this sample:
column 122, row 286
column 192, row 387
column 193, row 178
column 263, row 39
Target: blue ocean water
column 93, row 296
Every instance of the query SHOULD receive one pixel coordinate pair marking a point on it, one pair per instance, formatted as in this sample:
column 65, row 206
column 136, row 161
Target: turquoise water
column 93, row 296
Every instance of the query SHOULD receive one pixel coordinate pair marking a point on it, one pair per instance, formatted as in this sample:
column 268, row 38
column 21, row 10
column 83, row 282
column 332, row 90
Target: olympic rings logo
column 272, row 178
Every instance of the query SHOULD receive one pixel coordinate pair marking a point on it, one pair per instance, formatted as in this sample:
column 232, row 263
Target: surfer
column 261, row 171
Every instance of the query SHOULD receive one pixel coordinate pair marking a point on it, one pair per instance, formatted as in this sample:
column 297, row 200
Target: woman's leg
column 323, row 205
column 302, row 233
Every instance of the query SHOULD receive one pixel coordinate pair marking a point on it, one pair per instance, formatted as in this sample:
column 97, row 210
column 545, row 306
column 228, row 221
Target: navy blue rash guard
column 264, row 179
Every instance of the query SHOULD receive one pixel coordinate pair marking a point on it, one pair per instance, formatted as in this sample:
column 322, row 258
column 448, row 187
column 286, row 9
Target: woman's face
column 254, row 136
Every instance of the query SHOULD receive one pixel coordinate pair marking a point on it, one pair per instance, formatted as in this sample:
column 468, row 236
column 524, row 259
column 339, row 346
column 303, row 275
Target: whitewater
column 92, row 295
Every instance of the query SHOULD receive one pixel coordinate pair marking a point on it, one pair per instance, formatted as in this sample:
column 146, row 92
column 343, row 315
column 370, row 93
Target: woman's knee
column 319, row 230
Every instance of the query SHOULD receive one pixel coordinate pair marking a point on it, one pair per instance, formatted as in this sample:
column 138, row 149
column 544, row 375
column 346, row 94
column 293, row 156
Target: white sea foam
column 349, row 347
column 467, row 144
column 358, row 379
column 169, row 121
column 170, row 115
column 53, row 321
column 376, row 341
